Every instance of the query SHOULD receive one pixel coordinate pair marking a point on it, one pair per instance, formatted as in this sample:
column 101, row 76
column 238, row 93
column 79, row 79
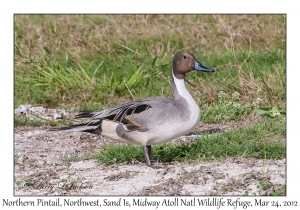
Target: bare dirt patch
column 58, row 163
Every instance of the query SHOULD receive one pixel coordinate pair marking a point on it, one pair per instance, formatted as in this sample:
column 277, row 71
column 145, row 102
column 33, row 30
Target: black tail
column 89, row 127
column 85, row 114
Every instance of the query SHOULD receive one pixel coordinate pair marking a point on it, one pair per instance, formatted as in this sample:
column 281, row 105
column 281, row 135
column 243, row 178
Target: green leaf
column 63, row 180
column 18, row 183
column 261, row 111
column 269, row 111
column 28, row 181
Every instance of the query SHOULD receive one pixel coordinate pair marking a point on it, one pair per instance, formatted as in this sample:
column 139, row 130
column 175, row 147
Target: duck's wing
column 116, row 114
column 139, row 115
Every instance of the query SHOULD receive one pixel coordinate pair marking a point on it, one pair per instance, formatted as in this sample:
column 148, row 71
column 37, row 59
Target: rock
column 23, row 109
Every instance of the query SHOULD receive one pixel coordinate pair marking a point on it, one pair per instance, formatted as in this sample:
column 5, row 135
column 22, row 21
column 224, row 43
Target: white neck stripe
column 180, row 86
column 182, row 91
column 192, row 105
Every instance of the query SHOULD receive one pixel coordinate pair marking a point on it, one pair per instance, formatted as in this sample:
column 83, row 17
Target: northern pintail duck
column 152, row 120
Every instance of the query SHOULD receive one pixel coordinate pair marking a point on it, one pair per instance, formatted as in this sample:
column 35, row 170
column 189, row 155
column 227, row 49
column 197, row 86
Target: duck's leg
column 150, row 154
column 146, row 154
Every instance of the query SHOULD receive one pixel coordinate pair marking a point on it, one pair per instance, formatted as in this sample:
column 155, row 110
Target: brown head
column 184, row 62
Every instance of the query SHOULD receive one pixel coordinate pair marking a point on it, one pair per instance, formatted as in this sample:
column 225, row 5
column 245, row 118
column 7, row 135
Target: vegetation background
column 98, row 61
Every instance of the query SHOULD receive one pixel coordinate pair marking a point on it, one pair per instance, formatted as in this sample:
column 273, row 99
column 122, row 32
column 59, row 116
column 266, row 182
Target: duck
column 149, row 121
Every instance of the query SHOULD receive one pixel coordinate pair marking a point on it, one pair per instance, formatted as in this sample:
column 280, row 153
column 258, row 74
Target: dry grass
column 88, row 35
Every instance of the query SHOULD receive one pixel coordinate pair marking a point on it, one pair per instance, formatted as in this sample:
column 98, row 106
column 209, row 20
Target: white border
column 154, row 6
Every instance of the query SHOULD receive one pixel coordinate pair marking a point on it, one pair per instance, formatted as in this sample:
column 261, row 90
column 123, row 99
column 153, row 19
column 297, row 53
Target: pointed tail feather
column 85, row 114
column 91, row 127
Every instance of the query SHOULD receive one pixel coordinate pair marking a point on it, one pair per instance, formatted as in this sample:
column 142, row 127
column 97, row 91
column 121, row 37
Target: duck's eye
column 184, row 57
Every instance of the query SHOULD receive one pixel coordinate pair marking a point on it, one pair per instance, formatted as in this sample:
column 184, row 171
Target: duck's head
column 184, row 62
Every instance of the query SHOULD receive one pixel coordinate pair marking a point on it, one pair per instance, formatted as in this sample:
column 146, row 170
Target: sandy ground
column 54, row 163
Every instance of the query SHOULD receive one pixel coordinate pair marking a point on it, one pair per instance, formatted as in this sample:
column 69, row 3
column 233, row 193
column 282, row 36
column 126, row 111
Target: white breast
column 172, row 130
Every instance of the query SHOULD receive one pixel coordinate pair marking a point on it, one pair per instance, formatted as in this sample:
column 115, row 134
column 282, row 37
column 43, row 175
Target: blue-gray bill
column 200, row 67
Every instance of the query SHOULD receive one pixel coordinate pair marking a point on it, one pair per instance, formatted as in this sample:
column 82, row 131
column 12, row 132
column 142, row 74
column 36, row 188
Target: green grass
column 24, row 121
column 38, row 121
column 56, row 85
column 262, row 140
column 223, row 109
column 59, row 64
